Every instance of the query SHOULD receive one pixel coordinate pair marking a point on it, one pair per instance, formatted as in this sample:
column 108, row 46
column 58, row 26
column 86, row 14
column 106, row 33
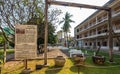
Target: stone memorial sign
column 25, row 42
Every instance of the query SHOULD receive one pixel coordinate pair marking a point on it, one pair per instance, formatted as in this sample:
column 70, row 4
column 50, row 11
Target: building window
column 116, row 44
column 99, row 32
column 104, row 43
column 77, row 30
column 85, row 44
column 90, row 44
column 105, row 30
column 98, row 43
column 77, row 36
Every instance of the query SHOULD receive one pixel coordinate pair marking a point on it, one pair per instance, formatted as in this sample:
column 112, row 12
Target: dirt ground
column 50, row 54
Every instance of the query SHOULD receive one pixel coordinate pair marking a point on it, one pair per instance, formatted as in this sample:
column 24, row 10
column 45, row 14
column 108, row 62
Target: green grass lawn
column 9, row 51
column 69, row 68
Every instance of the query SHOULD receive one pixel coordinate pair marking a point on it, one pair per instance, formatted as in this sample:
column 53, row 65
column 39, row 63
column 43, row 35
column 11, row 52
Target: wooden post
column 0, row 69
column 25, row 64
column 46, row 32
column 76, row 5
column 78, row 70
column 110, row 37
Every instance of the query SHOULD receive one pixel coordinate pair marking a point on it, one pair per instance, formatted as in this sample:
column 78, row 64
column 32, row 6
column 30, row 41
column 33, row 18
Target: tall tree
column 3, row 42
column 66, row 25
column 13, row 12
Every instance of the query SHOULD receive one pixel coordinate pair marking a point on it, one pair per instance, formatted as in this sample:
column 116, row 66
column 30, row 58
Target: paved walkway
column 54, row 53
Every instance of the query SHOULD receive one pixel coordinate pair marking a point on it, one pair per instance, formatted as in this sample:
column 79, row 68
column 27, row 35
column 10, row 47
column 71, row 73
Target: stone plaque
column 25, row 42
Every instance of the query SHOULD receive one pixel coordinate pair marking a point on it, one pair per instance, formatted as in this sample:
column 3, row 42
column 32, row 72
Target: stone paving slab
column 54, row 53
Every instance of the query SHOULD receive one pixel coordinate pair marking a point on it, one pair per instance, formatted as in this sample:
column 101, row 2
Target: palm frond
column 71, row 21
column 61, row 22
column 66, row 22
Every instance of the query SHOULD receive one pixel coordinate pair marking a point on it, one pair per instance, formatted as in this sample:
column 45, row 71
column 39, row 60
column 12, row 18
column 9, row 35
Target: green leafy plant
column 1, row 59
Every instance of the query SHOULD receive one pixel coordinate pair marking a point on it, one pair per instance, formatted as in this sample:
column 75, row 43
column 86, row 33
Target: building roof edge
column 105, row 5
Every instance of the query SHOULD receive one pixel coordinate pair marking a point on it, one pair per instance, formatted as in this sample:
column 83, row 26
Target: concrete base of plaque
column 26, row 71
column 38, row 67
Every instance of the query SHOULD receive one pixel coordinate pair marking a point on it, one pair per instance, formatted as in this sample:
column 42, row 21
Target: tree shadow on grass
column 20, row 68
column 76, row 69
column 53, row 70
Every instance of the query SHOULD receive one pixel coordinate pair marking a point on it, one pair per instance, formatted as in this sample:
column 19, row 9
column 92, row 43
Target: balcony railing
column 103, row 19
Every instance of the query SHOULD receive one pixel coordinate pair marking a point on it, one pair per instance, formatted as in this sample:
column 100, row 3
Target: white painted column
column 96, row 20
column 96, row 43
column 96, row 31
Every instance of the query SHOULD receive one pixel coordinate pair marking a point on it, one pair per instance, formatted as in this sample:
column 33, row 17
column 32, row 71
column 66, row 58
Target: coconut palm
column 66, row 24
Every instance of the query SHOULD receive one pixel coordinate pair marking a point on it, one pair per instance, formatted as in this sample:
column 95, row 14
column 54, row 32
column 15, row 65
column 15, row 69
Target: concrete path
column 52, row 53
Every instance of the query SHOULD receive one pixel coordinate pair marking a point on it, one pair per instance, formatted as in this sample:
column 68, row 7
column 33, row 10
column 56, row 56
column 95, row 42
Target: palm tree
column 66, row 25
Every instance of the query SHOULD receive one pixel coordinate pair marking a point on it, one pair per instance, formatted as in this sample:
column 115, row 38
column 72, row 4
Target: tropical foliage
column 66, row 24
column 13, row 12
column 1, row 40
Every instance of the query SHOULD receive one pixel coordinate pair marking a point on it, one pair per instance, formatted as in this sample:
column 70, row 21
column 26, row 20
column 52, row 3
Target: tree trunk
column 98, row 50
column 64, row 40
column 110, row 37
column 67, row 40
column 4, row 52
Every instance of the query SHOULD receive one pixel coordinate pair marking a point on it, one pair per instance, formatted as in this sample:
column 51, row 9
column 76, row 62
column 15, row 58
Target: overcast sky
column 79, row 14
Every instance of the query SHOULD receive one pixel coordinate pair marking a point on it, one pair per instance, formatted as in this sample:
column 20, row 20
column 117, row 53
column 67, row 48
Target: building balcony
column 98, row 35
column 93, row 26
column 94, row 36
column 115, row 14
column 97, row 24
column 117, row 31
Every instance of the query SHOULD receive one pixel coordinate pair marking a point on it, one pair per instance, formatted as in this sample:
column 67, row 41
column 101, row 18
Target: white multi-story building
column 94, row 30
column 60, row 38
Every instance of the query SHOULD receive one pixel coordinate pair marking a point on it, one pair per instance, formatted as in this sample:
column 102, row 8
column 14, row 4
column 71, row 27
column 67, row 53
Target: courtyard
column 16, row 67
column 39, row 37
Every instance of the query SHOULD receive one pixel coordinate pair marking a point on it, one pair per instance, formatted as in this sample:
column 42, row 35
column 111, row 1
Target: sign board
column 25, row 42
